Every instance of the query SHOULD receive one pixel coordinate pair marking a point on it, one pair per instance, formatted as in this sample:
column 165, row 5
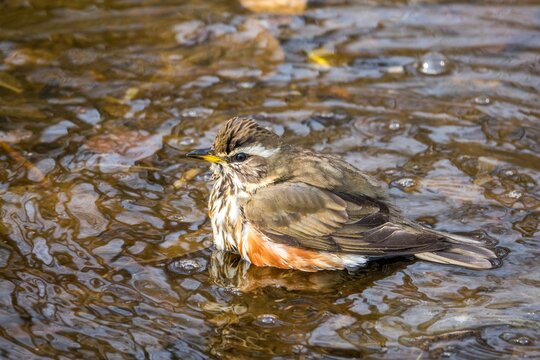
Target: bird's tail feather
column 464, row 252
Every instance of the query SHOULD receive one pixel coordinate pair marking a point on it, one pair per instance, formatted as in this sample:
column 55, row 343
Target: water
column 103, row 225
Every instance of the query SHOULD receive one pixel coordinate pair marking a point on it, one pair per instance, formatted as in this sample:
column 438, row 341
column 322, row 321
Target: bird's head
column 243, row 152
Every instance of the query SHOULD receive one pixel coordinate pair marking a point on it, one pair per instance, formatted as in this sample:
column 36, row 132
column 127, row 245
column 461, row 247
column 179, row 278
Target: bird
column 280, row 205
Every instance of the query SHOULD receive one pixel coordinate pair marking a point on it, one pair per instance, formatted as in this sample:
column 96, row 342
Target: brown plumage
column 279, row 205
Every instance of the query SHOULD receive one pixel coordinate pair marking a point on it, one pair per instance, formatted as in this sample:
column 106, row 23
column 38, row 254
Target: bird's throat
column 226, row 212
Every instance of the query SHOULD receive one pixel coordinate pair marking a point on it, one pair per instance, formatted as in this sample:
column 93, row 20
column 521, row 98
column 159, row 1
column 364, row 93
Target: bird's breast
column 226, row 217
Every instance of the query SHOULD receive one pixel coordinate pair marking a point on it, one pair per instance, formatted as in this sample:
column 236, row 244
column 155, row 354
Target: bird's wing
column 305, row 216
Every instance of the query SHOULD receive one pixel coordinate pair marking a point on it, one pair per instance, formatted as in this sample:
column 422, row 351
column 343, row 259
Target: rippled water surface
column 104, row 237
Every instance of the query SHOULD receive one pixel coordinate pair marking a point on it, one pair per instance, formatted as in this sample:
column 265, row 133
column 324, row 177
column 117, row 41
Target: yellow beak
column 205, row 154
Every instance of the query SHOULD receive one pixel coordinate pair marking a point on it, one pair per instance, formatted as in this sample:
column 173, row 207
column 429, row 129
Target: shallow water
column 103, row 225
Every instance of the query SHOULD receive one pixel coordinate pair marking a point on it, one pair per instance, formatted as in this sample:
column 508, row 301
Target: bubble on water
column 267, row 320
column 406, row 183
column 509, row 173
column 246, row 85
column 482, row 100
column 187, row 266
column 515, row 194
column 433, row 63
column 394, row 125
column 516, row 339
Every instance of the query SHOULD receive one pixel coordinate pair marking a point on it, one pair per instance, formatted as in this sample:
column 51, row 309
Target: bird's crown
column 240, row 131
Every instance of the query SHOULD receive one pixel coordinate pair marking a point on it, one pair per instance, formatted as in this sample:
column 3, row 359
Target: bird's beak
column 205, row 154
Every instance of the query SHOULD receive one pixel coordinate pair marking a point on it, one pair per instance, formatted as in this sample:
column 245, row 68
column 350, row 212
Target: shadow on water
column 299, row 301
column 229, row 271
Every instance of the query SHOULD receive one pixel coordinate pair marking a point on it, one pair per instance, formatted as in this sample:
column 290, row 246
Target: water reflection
column 103, row 229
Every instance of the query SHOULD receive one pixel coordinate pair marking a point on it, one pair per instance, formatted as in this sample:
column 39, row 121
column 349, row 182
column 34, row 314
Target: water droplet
column 433, row 63
column 267, row 320
column 514, row 194
column 482, row 100
column 394, row 125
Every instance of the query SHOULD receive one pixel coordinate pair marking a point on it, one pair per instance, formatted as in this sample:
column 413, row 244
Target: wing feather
column 305, row 216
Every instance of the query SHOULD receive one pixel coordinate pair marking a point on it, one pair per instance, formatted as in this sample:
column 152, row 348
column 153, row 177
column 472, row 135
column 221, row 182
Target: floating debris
column 320, row 57
column 9, row 82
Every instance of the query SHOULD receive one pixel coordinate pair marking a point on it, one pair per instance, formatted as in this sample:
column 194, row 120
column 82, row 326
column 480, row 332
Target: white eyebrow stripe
column 258, row 150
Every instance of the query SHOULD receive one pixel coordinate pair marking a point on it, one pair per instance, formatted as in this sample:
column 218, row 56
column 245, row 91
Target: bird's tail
column 464, row 252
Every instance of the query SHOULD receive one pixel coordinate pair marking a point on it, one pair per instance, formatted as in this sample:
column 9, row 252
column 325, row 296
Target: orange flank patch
column 262, row 251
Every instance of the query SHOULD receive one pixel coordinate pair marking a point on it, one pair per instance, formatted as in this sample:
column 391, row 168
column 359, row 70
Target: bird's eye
column 240, row 157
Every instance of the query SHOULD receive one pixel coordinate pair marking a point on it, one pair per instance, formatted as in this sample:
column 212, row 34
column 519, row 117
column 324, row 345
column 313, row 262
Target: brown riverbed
column 103, row 229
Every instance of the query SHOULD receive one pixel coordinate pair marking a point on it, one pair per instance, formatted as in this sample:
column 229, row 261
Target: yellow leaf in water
column 130, row 94
column 289, row 7
column 9, row 82
column 320, row 57
column 186, row 177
